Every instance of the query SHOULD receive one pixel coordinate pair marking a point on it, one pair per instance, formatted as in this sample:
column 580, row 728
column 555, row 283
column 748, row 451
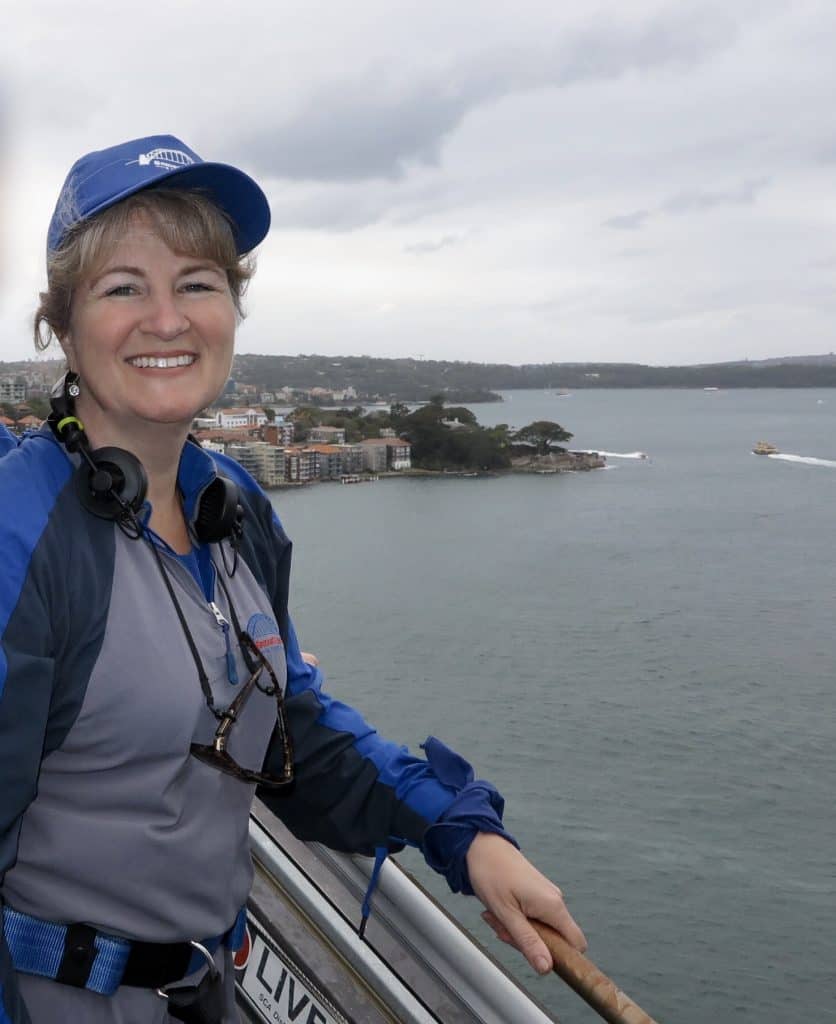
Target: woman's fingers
column 311, row 659
column 513, row 891
column 501, row 932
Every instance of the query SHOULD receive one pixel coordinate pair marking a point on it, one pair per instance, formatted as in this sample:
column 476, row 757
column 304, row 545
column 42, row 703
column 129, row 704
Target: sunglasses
column 216, row 754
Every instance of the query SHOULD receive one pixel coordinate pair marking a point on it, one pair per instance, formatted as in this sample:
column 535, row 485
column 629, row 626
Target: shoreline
column 545, row 465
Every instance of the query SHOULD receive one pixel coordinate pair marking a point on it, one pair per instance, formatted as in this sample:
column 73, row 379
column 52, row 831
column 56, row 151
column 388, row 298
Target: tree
column 543, row 434
column 269, row 413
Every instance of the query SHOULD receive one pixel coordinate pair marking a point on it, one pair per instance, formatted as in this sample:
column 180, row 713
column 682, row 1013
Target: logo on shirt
column 242, row 955
column 264, row 631
column 165, row 159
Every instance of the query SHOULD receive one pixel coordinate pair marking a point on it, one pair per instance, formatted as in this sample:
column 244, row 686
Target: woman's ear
column 66, row 344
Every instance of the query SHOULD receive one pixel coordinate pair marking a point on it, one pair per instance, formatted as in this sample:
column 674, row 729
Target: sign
column 277, row 988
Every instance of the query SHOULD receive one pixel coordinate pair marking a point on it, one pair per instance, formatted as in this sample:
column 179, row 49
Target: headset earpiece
column 109, row 481
column 219, row 513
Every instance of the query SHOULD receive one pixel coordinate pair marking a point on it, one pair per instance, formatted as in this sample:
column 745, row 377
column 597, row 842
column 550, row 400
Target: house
column 229, row 418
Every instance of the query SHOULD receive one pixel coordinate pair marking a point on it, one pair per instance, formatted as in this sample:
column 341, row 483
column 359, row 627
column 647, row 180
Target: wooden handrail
column 591, row 984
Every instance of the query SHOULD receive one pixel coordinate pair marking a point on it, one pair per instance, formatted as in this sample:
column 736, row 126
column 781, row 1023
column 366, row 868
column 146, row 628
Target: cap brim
column 236, row 193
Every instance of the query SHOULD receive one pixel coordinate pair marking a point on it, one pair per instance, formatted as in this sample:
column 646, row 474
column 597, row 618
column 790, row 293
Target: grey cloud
column 691, row 201
column 379, row 123
column 628, row 221
column 699, row 199
column 422, row 248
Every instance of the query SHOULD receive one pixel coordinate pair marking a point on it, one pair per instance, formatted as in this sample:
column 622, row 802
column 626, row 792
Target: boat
column 764, row 448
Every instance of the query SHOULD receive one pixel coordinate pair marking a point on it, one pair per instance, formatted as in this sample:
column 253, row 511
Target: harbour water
column 641, row 658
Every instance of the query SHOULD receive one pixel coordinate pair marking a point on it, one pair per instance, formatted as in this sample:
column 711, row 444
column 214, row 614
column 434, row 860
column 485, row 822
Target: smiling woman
column 150, row 676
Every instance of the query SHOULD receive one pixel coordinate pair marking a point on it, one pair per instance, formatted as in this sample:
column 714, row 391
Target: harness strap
column 80, row 956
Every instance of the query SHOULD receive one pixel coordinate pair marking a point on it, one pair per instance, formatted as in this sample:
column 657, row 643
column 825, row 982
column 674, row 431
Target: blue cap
column 105, row 177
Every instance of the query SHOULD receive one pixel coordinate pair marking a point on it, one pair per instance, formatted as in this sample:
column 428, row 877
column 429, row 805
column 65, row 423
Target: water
column 641, row 658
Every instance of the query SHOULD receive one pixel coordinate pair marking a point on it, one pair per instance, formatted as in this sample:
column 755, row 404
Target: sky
column 525, row 182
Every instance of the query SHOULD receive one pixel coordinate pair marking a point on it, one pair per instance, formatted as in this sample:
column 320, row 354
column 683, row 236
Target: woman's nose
column 165, row 319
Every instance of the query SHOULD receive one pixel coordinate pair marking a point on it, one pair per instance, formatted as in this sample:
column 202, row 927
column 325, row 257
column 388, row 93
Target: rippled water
column 641, row 658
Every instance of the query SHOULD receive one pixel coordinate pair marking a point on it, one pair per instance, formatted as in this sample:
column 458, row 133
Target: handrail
column 590, row 983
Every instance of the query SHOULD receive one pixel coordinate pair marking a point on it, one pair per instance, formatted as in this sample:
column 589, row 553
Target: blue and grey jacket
column 105, row 818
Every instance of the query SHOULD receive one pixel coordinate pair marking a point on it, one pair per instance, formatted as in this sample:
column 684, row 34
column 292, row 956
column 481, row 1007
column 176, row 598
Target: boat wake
column 623, row 455
column 807, row 460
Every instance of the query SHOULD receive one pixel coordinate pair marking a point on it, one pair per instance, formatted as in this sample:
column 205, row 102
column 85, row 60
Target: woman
column 146, row 644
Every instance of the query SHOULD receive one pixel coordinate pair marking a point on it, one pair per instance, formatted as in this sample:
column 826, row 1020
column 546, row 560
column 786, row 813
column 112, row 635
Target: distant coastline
column 369, row 379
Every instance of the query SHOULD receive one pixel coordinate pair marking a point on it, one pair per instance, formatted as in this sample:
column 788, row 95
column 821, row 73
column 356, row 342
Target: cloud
column 628, row 221
column 422, row 248
column 378, row 123
column 691, row 201
column 701, row 199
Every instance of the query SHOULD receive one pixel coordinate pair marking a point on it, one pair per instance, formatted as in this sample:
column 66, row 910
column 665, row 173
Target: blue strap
column 37, row 947
column 380, row 855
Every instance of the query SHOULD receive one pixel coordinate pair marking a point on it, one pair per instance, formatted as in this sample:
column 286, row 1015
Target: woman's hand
column 311, row 659
column 513, row 890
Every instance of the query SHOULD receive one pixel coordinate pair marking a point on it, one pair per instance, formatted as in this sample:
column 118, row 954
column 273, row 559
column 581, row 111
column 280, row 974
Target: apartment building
column 386, row 453
column 301, row 465
column 279, row 432
column 264, row 461
column 12, row 389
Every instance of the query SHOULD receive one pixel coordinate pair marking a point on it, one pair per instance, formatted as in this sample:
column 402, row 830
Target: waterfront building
column 301, row 465
column 382, row 453
column 330, row 464
column 264, row 461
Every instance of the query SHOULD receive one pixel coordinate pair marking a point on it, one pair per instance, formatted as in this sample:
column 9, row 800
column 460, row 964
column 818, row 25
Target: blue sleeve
column 8, row 441
column 26, row 684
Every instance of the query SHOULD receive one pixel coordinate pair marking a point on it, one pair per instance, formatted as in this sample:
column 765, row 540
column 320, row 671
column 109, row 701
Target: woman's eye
column 120, row 289
column 197, row 286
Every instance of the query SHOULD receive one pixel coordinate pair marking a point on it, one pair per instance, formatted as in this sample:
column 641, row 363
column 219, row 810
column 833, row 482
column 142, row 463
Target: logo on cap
column 166, row 159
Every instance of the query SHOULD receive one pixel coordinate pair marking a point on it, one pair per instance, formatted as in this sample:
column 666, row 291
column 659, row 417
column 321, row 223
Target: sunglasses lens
column 224, row 763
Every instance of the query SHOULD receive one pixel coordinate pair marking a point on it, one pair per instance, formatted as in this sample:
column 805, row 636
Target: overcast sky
column 519, row 182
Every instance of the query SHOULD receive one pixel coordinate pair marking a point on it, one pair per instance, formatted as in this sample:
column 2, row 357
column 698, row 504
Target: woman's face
column 151, row 335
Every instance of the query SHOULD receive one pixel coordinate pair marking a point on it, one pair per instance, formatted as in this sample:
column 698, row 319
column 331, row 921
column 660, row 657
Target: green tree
column 544, row 434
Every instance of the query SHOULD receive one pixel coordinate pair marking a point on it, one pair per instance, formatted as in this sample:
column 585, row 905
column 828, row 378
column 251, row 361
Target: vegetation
column 440, row 436
column 544, row 435
column 413, row 380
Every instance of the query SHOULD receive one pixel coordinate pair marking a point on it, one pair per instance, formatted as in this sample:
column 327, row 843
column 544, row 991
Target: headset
column 112, row 482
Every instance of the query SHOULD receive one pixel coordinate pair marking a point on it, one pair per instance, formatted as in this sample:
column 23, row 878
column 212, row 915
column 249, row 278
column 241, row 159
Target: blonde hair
column 187, row 221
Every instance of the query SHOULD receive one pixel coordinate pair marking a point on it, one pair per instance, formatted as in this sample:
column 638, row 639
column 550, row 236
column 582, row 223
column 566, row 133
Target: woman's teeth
column 161, row 362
